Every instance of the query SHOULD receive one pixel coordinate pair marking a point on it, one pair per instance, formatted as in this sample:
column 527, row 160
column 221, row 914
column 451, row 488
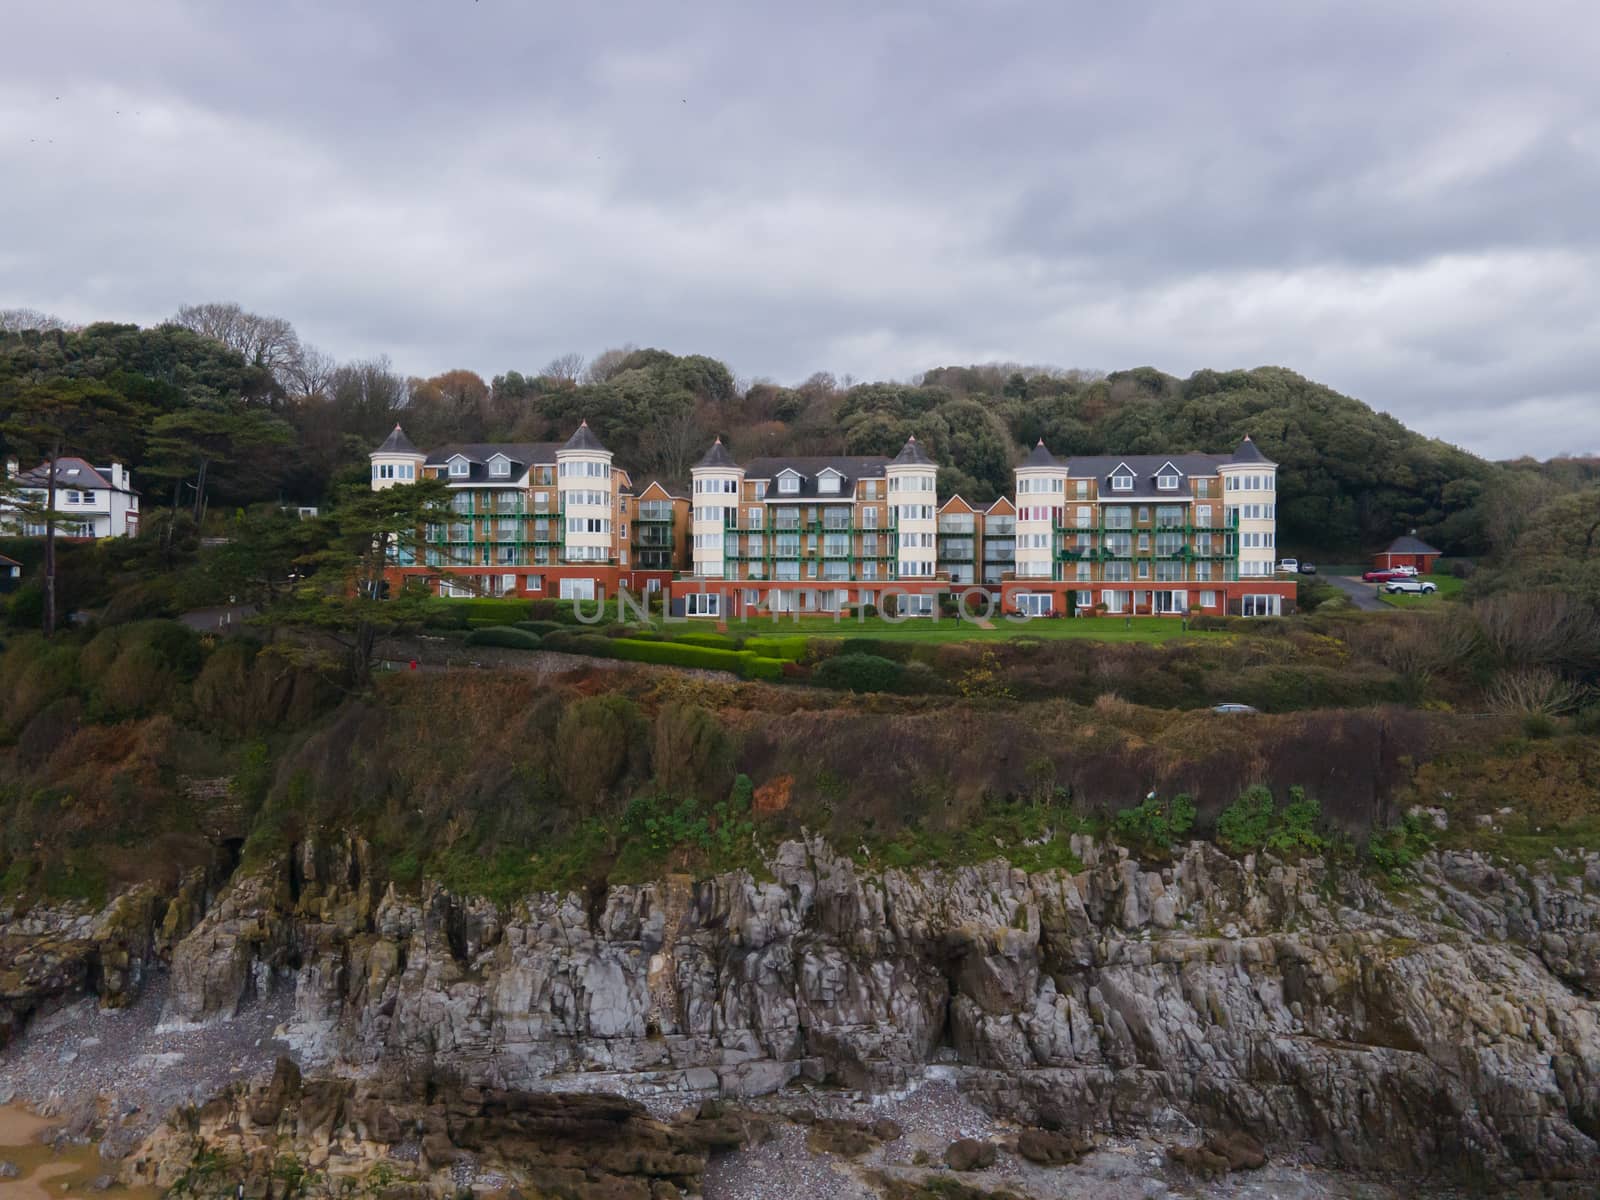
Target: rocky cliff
column 1449, row 1025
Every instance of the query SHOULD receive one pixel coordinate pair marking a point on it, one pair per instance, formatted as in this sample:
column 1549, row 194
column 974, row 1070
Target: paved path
column 1363, row 595
column 213, row 620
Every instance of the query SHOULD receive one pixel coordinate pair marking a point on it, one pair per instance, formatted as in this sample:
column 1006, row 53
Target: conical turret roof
column 1040, row 457
column 911, row 455
column 584, row 439
column 717, row 456
column 397, row 443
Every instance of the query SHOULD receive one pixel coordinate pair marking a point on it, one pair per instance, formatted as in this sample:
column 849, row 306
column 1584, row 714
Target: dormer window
column 499, row 466
column 460, row 468
column 1167, row 483
column 828, row 482
column 1122, row 483
column 789, row 484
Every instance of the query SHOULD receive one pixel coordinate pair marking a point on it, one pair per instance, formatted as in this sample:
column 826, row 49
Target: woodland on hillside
column 232, row 409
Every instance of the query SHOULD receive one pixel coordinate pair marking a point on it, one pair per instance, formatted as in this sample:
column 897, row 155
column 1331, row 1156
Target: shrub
column 1397, row 847
column 477, row 611
column 754, row 666
column 507, row 636
column 856, row 672
column 1155, row 824
column 791, row 648
column 1245, row 824
column 1538, row 725
column 541, row 627
column 693, row 753
column 1296, row 827
column 878, row 648
column 717, row 641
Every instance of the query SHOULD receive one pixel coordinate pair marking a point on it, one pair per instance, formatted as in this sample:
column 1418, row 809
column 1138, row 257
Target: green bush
column 1245, row 824
column 1155, row 824
column 1396, row 848
column 791, row 648
column 856, row 672
column 717, row 641
column 542, row 627
column 507, row 636
column 477, row 611
column 1254, row 822
column 754, row 666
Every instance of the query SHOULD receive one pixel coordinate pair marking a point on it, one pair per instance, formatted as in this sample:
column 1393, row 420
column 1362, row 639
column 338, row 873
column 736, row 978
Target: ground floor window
column 703, row 604
column 915, row 606
column 577, row 589
column 1260, row 606
column 1085, row 601
column 451, row 590
column 1208, row 599
column 1035, row 604
column 534, row 583
column 1172, row 602
column 1113, row 601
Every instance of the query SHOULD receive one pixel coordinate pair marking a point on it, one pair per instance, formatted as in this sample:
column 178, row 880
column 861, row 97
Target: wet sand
column 68, row 1173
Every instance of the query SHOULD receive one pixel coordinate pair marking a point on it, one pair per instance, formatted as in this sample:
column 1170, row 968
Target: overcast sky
column 1399, row 200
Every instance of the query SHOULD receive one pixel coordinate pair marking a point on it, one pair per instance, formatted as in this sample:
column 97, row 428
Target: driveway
column 1363, row 595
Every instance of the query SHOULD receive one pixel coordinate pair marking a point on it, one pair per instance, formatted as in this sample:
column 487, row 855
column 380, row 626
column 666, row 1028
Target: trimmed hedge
column 477, row 612
column 791, row 648
column 508, row 636
column 672, row 654
column 716, row 641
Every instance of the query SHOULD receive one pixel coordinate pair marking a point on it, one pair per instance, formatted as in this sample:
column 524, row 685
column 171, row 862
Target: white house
column 94, row 502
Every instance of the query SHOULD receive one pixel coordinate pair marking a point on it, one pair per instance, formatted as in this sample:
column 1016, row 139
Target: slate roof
column 1145, row 468
column 1410, row 545
column 912, row 455
column 717, row 456
column 1040, row 457
column 1248, row 452
column 583, row 438
column 522, row 455
column 852, row 467
column 397, row 443
column 71, row 472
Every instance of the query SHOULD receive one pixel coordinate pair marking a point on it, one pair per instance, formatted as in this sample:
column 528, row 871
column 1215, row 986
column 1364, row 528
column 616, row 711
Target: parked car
column 1407, row 571
column 1308, row 568
column 1383, row 575
column 1409, row 587
column 1288, row 566
column 1234, row 708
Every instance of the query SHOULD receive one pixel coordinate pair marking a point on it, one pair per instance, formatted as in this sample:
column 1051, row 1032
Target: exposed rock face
column 400, row 1138
column 52, row 955
column 1453, row 1026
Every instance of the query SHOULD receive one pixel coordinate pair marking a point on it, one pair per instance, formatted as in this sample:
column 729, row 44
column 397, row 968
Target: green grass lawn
column 949, row 629
column 1449, row 587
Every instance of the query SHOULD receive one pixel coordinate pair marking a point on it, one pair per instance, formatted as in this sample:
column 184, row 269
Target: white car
column 1406, row 570
column 1409, row 587
column 1289, row 566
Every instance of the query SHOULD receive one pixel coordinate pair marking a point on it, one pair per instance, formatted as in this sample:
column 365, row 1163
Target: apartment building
column 534, row 519
column 811, row 534
column 92, row 502
column 1147, row 534
column 1120, row 535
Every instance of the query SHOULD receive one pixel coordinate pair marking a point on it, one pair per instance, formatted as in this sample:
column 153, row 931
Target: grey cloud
column 1393, row 199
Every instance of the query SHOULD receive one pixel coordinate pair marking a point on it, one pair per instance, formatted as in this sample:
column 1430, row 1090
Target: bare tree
column 565, row 367
column 268, row 342
column 369, row 396
column 312, row 374
column 1540, row 629
column 607, row 363
column 674, row 444
column 20, row 320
